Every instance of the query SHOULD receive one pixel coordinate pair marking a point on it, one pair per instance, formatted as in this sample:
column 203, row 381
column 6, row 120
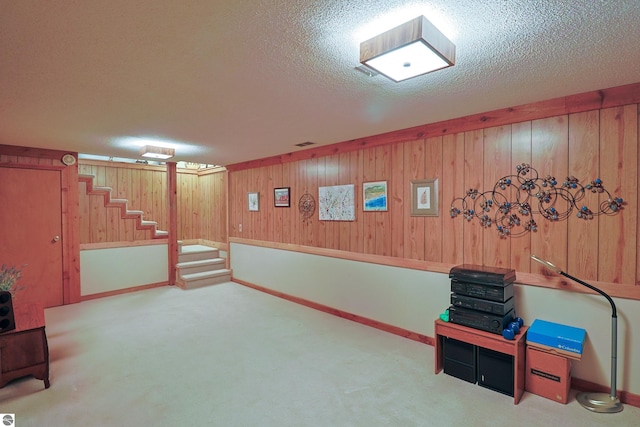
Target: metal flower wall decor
column 517, row 199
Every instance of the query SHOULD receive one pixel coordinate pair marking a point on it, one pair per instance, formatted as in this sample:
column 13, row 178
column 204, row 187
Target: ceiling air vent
column 304, row 144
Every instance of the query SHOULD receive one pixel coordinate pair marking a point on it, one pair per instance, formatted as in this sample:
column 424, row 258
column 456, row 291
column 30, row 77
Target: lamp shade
column 153, row 152
column 414, row 48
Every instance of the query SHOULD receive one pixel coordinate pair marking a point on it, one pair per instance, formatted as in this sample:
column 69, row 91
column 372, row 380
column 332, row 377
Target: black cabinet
column 495, row 371
column 460, row 359
column 488, row 368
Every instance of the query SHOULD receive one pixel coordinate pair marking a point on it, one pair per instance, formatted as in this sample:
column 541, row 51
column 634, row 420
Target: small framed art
column 424, row 197
column 374, row 196
column 254, row 201
column 281, row 197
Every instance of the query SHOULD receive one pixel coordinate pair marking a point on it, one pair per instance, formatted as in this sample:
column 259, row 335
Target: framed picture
column 424, row 197
column 254, row 202
column 374, row 196
column 337, row 203
column 281, row 197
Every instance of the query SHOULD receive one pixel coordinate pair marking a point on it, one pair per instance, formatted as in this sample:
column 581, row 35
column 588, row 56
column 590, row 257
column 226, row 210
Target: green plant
column 9, row 277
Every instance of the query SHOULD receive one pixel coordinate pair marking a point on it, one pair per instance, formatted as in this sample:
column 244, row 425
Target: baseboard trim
column 122, row 291
column 576, row 383
column 345, row 315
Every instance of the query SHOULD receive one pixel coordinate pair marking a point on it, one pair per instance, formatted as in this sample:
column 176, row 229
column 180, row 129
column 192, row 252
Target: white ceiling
column 240, row 80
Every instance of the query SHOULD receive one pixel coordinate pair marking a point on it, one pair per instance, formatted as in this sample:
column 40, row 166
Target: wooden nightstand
column 24, row 350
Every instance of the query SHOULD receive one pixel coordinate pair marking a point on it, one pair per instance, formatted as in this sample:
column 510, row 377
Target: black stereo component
column 482, row 274
column 493, row 292
column 483, row 304
column 493, row 323
column 7, row 321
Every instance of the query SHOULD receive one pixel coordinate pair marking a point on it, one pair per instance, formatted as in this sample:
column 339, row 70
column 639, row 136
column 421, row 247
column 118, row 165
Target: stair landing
column 199, row 266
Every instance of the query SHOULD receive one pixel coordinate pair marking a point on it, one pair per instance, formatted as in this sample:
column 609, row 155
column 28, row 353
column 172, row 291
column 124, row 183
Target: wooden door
column 31, row 232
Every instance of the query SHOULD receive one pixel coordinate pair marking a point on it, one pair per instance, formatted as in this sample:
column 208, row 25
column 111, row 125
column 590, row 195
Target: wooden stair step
column 122, row 204
column 207, row 278
column 199, row 266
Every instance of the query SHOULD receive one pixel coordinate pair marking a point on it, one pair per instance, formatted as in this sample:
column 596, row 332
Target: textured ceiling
column 239, row 80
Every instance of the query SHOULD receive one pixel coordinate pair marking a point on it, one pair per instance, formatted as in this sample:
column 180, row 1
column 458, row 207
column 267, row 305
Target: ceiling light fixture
column 157, row 152
column 414, row 48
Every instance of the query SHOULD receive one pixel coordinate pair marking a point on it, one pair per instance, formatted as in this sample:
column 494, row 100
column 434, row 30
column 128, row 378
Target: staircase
column 125, row 212
column 199, row 266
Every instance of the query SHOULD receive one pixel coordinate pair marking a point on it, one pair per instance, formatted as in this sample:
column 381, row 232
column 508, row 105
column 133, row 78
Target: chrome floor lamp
column 597, row 402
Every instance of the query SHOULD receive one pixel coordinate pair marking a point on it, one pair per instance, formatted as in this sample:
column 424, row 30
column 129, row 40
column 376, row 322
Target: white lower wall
column 413, row 299
column 112, row 269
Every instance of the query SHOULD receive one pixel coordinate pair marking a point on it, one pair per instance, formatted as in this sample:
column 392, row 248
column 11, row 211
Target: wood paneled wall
column 584, row 142
column 201, row 202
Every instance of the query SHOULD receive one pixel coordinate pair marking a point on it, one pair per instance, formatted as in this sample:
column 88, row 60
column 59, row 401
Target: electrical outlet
column 240, row 228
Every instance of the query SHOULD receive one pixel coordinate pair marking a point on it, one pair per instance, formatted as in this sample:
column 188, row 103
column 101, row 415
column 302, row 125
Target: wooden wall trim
column 38, row 153
column 172, row 213
column 123, row 165
column 612, row 97
column 345, row 315
column 71, row 235
column 124, row 244
column 545, row 280
column 123, row 291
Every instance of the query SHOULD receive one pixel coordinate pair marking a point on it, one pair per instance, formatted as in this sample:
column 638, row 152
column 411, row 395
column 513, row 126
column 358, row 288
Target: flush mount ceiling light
column 152, row 152
column 409, row 50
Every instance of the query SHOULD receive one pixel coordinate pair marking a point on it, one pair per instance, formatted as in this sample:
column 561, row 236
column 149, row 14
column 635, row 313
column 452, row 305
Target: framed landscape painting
column 281, row 197
column 374, row 196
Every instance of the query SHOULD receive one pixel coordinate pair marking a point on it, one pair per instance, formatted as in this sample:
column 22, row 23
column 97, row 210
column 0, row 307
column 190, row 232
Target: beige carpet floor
column 228, row 355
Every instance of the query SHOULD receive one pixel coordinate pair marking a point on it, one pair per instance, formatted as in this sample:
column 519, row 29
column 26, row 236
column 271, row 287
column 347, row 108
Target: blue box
column 556, row 338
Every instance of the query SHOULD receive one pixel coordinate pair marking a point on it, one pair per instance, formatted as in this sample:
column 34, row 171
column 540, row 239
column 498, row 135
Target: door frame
column 38, row 158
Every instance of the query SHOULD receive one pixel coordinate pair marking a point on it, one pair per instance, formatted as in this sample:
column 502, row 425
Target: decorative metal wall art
column 307, row 206
column 517, row 199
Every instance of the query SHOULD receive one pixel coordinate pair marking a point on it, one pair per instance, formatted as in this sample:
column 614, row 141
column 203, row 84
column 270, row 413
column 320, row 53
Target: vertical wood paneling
column 113, row 215
column 368, row 218
column 549, row 139
column 356, row 161
column 84, row 213
column 98, row 232
column 311, row 180
column 433, row 225
column 395, row 200
column 413, row 226
column 285, row 219
column 333, row 176
column 293, row 214
column 382, row 226
column 497, row 164
column 452, row 186
column 473, row 179
column 520, row 153
column 275, row 231
column 345, row 227
column 321, row 226
column 619, row 172
column 584, row 165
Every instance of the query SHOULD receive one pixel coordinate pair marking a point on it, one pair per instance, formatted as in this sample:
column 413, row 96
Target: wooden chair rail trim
column 111, row 245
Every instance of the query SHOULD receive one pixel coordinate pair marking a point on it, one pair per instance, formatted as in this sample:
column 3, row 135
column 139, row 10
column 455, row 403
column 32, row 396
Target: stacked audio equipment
column 482, row 297
column 7, row 321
